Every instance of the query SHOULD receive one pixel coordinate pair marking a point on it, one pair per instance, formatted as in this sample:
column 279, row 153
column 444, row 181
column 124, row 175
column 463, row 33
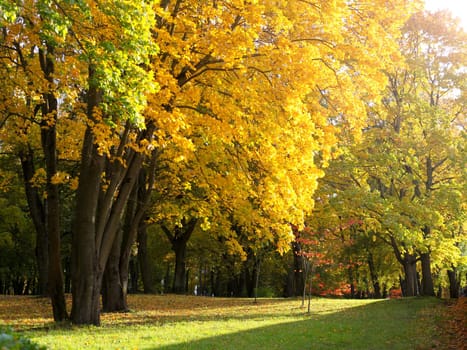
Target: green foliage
column 13, row 341
column 7, row 11
column 17, row 264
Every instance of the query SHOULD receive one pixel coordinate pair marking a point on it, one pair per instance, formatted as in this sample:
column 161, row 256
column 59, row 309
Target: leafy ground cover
column 172, row 322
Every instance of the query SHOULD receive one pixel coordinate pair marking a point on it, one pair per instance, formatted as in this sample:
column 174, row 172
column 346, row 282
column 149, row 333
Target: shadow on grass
column 395, row 324
column 385, row 324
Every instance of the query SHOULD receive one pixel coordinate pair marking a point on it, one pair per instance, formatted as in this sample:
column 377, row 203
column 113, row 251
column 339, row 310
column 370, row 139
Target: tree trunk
column 427, row 278
column 179, row 240
column 55, row 272
column 179, row 247
column 86, row 277
column 133, row 286
column 134, row 219
column 410, row 272
column 249, row 280
column 143, row 260
column 113, row 298
column 298, row 279
column 52, row 209
column 86, row 272
column 454, row 283
column 374, row 276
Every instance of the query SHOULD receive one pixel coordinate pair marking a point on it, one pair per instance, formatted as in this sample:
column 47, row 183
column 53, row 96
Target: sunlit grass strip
column 177, row 322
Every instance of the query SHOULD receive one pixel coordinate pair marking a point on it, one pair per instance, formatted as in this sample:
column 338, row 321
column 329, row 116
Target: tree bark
column 52, row 208
column 249, row 278
column 408, row 261
column 143, row 260
column 134, row 219
column 179, row 240
column 427, row 277
column 374, row 276
column 179, row 248
column 410, row 274
column 86, row 270
column 86, row 275
column 454, row 283
column 113, row 298
column 298, row 275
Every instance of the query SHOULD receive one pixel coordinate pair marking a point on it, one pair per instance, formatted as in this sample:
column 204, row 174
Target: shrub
column 12, row 341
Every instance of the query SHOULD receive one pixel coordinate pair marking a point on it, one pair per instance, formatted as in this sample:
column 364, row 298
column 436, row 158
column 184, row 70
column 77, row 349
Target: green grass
column 215, row 323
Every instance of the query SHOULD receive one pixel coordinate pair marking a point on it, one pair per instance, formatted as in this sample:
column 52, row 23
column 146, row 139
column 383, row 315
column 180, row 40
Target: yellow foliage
column 247, row 98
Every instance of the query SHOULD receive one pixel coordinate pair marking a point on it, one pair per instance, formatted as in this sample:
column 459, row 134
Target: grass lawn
column 187, row 322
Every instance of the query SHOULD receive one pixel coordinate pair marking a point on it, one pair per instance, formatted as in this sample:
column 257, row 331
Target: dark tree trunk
column 298, row 281
column 87, row 273
column 179, row 240
column 55, row 272
column 37, row 213
column 134, row 276
column 289, row 285
column 179, row 248
column 410, row 275
column 134, row 220
column 294, row 281
column 409, row 284
column 86, row 277
column 454, row 283
column 143, row 260
column 350, row 281
column 249, row 280
column 112, row 290
column 49, row 111
column 374, row 276
column 427, row 278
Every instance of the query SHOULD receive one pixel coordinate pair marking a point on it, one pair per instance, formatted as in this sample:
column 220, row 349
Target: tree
column 410, row 161
column 424, row 111
column 82, row 62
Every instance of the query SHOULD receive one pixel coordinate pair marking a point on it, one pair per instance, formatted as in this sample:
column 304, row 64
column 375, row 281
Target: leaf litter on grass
column 171, row 319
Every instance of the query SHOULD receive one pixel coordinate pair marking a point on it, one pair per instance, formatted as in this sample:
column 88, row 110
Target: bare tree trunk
column 410, row 274
column 179, row 240
column 298, row 263
column 86, row 276
column 134, row 219
column 427, row 278
column 112, row 290
column 179, row 247
column 454, row 283
column 86, row 271
column 143, row 260
column 52, row 209
column 374, row 276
